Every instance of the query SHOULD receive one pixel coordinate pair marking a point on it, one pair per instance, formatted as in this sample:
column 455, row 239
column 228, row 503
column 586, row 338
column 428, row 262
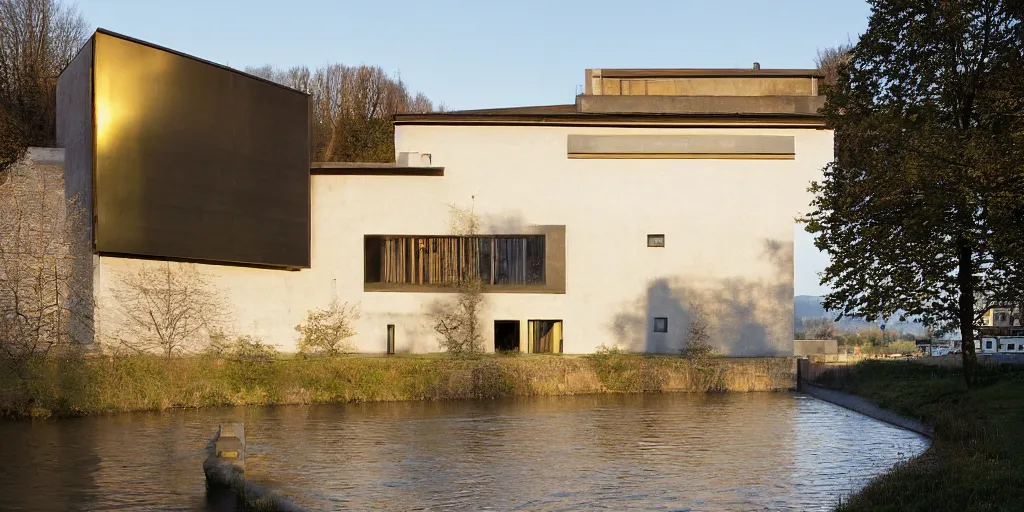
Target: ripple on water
column 642, row 452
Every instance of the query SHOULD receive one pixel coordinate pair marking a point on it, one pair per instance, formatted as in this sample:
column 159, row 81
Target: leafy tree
column 921, row 209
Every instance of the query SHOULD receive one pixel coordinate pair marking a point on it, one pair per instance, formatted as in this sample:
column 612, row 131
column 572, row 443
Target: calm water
column 757, row 451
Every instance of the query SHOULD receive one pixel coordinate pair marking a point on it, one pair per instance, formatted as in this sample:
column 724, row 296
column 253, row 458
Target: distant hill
column 809, row 306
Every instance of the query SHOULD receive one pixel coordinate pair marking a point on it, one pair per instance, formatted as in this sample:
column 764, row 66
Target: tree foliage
column 351, row 109
column 921, row 209
column 38, row 38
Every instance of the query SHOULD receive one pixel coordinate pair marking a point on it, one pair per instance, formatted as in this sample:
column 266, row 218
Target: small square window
column 660, row 324
column 1010, row 347
column 655, row 240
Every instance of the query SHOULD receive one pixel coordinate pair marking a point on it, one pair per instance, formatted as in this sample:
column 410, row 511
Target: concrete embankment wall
column 807, row 371
column 227, row 486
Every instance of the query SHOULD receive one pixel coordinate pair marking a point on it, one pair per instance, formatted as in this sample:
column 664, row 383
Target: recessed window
column 988, row 345
column 445, row 260
column 660, row 324
column 655, row 240
column 1010, row 347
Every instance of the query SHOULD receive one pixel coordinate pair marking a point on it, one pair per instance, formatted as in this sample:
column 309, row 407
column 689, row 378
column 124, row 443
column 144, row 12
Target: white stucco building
column 601, row 223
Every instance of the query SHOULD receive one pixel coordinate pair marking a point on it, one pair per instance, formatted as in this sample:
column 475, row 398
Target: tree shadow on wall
column 745, row 317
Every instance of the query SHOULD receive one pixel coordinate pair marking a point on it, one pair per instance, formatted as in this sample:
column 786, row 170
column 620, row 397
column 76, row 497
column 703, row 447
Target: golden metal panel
column 197, row 161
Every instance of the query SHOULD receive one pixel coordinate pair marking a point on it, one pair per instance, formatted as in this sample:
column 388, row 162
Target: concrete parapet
column 866, row 407
column 226, row 484
column 806, row 105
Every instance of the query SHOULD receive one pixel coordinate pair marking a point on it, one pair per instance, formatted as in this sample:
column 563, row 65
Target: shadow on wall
column 745, row 317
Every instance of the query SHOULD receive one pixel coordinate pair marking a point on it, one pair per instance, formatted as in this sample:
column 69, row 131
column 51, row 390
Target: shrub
column 326, row 331
column 251, row 361
column 696, row 345
column 457, row 321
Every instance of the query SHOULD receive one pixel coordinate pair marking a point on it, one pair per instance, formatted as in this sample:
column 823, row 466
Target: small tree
column 819, row 328
column 696, row 345
column 168, row 307
column 457, row 321
column 831, row 60
column 45, row 294
column 326, row 331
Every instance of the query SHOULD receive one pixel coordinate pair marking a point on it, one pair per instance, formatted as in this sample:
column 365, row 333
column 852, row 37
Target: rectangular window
column 1010, row 347
column 655, row 240
column 445, row 260
column 660, row 324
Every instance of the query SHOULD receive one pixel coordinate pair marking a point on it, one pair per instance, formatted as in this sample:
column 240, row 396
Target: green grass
column 102, row 385
column 976, row 461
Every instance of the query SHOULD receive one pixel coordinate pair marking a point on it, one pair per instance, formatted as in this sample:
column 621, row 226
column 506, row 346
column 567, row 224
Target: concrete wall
column 815, row 347
column 728, row 225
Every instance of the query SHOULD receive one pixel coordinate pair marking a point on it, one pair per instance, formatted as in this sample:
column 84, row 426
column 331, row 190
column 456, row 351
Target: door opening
column 506, row 335
column 546, row 336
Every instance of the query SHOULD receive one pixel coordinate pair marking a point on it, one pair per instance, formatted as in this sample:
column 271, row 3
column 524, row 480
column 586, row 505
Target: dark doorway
column 506, row 335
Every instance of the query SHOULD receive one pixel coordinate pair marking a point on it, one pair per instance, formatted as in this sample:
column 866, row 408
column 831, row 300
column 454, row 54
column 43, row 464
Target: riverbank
column 103, row 385
column 976, row 458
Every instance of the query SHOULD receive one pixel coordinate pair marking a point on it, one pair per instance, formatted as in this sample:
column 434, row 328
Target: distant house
column 1001, row 317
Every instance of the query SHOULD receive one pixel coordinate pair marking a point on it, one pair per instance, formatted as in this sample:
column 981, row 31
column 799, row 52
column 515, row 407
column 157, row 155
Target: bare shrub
column 830, row 61
column 351, row 108
column 696, row 344
column 45, row 295
column 37, row 39
column 168, row 307
column 457, row 321
column 326, row 331
column 819, row 328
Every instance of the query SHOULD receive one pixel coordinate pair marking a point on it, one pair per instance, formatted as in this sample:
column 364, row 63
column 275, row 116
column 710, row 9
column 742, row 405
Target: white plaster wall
column 728, row 226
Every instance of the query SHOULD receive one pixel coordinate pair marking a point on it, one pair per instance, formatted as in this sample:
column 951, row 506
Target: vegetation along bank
column 976, row 457
column 75, row 386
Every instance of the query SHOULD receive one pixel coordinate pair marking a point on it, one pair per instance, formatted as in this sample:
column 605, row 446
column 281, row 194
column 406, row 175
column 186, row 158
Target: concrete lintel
column 594, row 104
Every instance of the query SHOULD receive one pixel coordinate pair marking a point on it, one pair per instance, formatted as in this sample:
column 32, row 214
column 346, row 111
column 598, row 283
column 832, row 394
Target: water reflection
column 638, row 452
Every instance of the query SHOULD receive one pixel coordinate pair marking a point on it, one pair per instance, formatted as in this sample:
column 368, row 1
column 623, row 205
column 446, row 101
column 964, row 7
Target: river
column 742, row 451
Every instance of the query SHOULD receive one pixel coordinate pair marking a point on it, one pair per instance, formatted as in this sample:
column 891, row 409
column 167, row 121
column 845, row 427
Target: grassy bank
column 100, row 385
column 977, row 458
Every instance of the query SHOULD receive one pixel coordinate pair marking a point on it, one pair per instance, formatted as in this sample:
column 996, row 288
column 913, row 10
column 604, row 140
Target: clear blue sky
column 480, row 54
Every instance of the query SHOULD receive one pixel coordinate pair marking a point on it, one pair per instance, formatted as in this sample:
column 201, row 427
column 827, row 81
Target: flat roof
column 567, row 115
column 708, row 73
column 371, row 169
